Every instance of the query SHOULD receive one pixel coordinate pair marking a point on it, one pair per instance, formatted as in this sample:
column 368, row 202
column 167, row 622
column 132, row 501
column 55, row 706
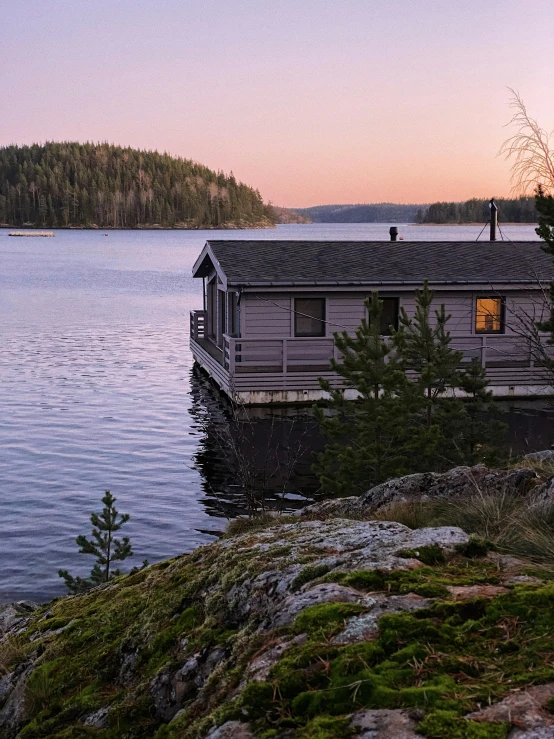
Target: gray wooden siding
column 266, row 315
column 271, row 314
column 346, row 310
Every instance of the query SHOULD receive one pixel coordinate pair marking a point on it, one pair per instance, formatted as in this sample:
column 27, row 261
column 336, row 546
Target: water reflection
column 261, row 457
column 530, row 424
column 251, row 458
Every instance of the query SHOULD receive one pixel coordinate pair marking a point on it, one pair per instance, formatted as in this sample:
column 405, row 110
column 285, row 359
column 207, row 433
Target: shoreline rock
column 311, row 628
column 455, row 484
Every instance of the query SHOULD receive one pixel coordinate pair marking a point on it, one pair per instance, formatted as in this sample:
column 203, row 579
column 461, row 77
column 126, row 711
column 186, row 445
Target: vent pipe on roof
column 393, row 230
column 494, row 219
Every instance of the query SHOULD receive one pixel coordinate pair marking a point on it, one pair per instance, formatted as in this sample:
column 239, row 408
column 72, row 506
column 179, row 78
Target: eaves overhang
column 206, row 262
column 367, row 283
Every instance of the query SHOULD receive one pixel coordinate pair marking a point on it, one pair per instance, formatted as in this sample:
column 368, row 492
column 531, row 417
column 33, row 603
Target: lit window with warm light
column 489, row 315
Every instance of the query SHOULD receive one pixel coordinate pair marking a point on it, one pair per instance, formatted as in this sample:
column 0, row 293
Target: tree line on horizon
column 362, row 213
column 476, row 210
column 86, row 185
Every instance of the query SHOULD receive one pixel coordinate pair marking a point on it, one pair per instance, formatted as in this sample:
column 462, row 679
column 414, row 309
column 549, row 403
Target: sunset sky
column 311, row 101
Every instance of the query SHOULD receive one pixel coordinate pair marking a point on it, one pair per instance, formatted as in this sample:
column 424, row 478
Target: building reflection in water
column 252, row 458
column 261, row 457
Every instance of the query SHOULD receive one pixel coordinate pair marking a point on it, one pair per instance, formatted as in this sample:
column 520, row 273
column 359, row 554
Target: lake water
column 97, row 392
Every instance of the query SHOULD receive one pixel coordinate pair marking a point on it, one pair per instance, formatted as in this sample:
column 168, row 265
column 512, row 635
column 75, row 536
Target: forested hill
column 520, row 210
column 363, row 213
column 105, row 186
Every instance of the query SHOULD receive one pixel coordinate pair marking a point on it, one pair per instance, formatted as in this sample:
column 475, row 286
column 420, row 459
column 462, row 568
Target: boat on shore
column 31, row 233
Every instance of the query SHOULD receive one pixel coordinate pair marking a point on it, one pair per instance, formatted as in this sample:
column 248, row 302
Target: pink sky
column 311, row 101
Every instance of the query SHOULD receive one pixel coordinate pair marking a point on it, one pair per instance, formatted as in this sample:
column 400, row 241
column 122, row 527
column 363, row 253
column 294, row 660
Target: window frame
column 484, row 332
column 397, row 318
column 323, row 320
column 396, row 298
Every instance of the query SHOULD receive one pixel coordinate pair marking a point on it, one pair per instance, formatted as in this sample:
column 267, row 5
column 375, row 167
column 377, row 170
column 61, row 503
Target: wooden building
column 265, row 333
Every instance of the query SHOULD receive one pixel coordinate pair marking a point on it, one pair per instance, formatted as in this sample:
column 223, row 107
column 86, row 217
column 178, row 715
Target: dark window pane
column 309, row 317
column 389, row 315
column 489, row 315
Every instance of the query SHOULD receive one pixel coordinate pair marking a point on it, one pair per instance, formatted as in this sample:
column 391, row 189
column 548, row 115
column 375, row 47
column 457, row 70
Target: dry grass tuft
column 239, row 526
column 543, row 469
column 12, row 652
column 513, row 524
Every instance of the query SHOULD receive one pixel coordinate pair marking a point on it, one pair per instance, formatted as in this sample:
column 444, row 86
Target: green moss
column 324, row 618
column 326, row 727
column 431, row 554
column 307, row 574
column 426, row 581
column 371, row 580
column 475, row 548
column 445, row 659
column 426, row 589
column 258, row 699
column 442, row 724
column 53, row 624
column 183, row 624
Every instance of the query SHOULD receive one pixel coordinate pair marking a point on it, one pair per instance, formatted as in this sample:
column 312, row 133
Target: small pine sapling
column 103, row 546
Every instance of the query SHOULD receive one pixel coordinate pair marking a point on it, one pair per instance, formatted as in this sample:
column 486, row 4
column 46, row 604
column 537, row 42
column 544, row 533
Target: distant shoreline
column 234, row 227
column 477, row 223
column 143, row 228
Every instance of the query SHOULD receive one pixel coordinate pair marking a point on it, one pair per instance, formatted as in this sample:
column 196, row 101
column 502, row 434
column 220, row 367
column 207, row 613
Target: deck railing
column 289, row 354
column 285, row 355
column 197, row 324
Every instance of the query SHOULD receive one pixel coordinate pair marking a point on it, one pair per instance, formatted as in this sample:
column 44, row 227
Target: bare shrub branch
column 530, row 151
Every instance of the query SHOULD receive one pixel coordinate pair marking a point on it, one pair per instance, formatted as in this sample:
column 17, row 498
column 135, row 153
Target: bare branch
column 530, row 151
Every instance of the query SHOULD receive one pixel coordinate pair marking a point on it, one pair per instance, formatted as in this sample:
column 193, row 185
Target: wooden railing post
column 483, row 351
column 285, row 358
column 232, row 350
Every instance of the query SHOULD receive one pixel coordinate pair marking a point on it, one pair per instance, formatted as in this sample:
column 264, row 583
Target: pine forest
column 100, row 185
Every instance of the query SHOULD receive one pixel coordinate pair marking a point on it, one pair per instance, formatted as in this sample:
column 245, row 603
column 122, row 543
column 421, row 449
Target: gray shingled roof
column 380, row 262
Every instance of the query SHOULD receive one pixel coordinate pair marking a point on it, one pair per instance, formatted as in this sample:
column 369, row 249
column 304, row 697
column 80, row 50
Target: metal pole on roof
column 494, row 219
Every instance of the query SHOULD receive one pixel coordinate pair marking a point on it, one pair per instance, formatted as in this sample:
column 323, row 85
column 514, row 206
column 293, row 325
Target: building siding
column 265, row 316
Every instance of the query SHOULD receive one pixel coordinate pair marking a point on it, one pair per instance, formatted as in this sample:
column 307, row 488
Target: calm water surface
column 97, row 392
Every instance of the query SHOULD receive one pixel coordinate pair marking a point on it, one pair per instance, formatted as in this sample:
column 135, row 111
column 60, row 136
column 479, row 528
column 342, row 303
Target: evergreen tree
column 367, row 436
column 72, row 184
column 424, row 346
column 456, row 431
column 406, row 417
column 482, row 434
column 103, row 546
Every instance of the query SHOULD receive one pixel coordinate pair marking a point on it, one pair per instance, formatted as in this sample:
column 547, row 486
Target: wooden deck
column 288, row 369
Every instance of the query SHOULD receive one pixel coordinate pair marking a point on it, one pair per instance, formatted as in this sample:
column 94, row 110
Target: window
column 389, row 315
column 309, row 316
column 489, row 315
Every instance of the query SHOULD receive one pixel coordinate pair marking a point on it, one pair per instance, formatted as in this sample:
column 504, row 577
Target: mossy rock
column 170, row 650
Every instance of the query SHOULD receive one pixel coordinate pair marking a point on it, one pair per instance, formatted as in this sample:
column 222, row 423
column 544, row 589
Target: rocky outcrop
column 524, row 708
column 457, row 483
column 305, row 629
column 14, row 616
column 543, row 457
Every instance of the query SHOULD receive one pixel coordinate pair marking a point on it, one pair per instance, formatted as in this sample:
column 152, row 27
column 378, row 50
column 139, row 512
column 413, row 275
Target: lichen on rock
column 300, row 630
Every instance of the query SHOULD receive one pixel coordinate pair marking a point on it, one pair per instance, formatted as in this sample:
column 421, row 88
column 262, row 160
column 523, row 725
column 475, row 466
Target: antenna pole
column 494, row 219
